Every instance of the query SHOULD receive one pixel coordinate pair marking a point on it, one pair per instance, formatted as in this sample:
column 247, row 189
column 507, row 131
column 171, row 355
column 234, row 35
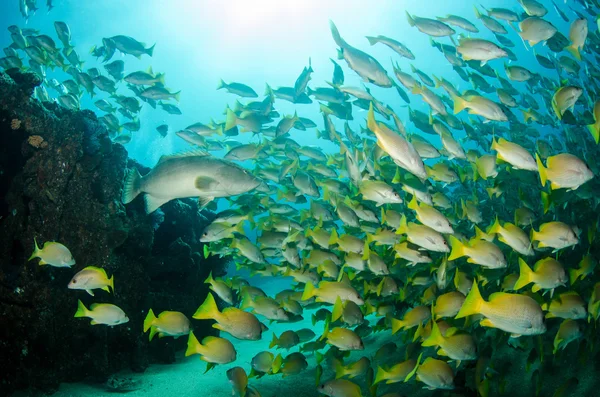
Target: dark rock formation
column 61, row 180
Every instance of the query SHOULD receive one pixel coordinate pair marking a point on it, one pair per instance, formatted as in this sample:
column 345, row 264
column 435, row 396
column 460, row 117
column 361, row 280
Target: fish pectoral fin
column 206, row 183
column 487, row 323
column 89, row 291
column 204, row 201
column 515, row 335
column 153, row 203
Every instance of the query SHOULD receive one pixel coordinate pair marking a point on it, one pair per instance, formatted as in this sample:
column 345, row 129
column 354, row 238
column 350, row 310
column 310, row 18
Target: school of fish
column 437, row 226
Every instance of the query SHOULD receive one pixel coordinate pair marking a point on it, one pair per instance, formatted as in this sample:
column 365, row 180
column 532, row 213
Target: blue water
column 266, row 41
column 258, row 43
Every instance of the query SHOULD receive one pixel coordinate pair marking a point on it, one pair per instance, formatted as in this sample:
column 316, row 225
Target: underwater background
column 394, row 241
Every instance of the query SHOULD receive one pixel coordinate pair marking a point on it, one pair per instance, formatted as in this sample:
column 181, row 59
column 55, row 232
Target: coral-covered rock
column 60, row 180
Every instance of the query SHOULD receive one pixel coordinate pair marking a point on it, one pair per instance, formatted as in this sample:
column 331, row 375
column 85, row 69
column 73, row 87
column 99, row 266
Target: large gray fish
column 188, row 175
column 362, row 63
column 129, row 45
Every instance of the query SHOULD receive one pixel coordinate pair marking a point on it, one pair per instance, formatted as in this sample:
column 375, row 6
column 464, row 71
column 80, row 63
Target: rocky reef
column 60, row 180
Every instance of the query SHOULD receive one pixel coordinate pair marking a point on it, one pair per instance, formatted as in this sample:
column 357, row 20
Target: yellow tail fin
column 150, row 317
column 36, row 250
column 334, row 237
column 495, row 228
column 371, row 123
column 208, row 309
column 339, row 369
column 231, row 120
column 82, row 311
column 380, row 376
column 338, row 309
column 397, row 325
column 472, row 303
column 459, row 104
column 435, row 338
column 309, row 291
column 458, row 248
column 525, row 274
column 595, row 131
column 274, row 341
column 412, row 204
column 541, row 170
column 193, row 346
column 277, row 362
column 573, row 50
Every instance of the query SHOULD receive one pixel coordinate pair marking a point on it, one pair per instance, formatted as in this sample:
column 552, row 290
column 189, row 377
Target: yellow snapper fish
column 480, row 106
column 348, row 311
column 363, row 64
column 586, row 267
column 566, row 305
column 517, row 314
column 557, row 235
column 547, row 273
column 452, row 343
column 480, row 252
column 429, row 216
column 512, row 236
column 213, row 350
column 91, row 278
column 595, row 127
column 568, row 331
column 286, row 340
column 479, row 50
column 265, row 306
column 594, row 303
column 564, row 171
column 342, row 338
column 292, row 364
column 102, row 313
column 168, row 323
column 429, row 26
column 486, row 166
column 53, row 254
column 564, row 99
column 347, row 243
column 396, row 373
column 412, row 318
column 238, row 323
column 401, row 151
column 435, row 374
column 577, row 34
column 220, row 288
column 448, row 304
column 329, row 291
column 535, row 30
column 339, row 387
column 265, row 362
column 413, row 256
column 352, row 370
column 379, row 192
column 423, row 236
column 238, row 379
column 514, row 154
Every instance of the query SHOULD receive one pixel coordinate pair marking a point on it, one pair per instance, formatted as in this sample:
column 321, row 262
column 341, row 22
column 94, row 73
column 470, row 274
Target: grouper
column 188, row 175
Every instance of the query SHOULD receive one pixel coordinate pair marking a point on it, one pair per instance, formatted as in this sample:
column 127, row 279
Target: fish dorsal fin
column 496, row 295
column 189, row 153
column 99, row 269
column 345, row 280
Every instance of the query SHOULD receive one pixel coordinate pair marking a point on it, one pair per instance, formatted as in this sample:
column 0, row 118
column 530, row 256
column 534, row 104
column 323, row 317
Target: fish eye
column 74, row 281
